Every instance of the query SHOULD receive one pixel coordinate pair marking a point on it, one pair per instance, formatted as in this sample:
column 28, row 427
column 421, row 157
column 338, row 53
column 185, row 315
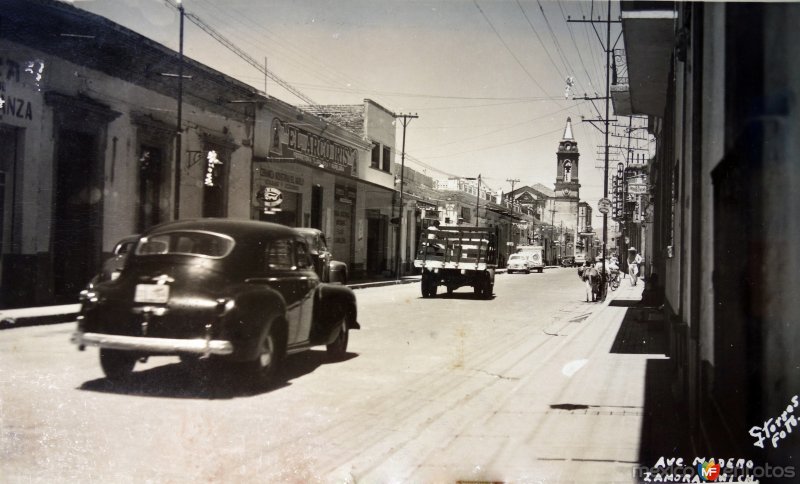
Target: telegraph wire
column 292, row 52
column 497, row 145
column 577, row 49
column 544, row 47
column 509, row 49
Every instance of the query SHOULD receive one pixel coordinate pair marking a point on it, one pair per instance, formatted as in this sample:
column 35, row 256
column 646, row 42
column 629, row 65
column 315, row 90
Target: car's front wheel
column 338, row 349
column 117, row 365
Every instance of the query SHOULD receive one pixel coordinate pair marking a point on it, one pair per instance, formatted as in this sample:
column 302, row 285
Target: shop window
column 466, row 214
column 376, row 155
column 387, row 159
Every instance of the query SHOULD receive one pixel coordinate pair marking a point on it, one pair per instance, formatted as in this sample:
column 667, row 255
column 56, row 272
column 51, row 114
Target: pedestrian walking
column 634, row 260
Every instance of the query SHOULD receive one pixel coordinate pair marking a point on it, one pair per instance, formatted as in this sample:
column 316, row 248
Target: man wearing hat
column 634, row 259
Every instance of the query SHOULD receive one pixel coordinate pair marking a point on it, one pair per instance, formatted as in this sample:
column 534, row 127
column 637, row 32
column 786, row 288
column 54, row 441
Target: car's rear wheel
column 117, row 365
column 265, row 367
column 338, row 349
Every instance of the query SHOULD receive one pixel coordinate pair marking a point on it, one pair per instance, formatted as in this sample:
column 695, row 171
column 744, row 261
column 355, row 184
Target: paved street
column 535, row 385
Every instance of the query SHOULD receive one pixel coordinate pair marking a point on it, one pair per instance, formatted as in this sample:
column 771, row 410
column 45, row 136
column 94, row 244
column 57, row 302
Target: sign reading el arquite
column 291, row 142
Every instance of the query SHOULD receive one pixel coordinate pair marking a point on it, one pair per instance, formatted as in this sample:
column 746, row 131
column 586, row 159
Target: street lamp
column 477, row 199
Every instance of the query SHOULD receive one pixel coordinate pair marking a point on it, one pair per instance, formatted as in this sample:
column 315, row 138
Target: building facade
column 96, row 149
column 89, row 145
column 719, row 83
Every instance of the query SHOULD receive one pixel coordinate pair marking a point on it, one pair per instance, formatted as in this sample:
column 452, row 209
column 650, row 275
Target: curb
column 16, row 318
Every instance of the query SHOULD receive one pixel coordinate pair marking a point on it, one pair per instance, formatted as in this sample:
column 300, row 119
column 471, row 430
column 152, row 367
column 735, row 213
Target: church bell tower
column 567, row 186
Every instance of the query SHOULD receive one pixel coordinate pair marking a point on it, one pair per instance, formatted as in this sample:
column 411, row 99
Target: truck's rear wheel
column 428, row 284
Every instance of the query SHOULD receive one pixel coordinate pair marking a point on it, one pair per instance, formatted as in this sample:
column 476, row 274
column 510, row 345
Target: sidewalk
column 616, row 411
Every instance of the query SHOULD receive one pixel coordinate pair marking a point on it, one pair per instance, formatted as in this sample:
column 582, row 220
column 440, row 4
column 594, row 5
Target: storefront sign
column 637, row 189
column 270, row 199
column 278, row 178
column 271, row 187
column 292, row 142
column 345, row 194
column 19, row 79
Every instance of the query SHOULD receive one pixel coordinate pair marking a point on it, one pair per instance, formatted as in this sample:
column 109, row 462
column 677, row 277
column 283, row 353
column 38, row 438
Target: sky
column 487, row 79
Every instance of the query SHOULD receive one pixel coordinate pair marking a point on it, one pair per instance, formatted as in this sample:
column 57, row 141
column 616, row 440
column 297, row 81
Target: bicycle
column 613, row 279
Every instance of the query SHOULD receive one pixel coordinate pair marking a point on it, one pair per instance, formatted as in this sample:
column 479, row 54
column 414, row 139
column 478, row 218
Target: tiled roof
column 544, row 190
column 348, row 116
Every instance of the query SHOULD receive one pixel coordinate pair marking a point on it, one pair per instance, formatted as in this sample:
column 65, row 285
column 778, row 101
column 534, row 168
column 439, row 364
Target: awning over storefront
column 649, row 44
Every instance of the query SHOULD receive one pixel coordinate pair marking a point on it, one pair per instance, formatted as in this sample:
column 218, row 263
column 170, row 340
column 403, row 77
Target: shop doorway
column 376, row 244
column 289, row 213
column 316, row 207
column 150, row 186
column 8, row 168
column 77, row 225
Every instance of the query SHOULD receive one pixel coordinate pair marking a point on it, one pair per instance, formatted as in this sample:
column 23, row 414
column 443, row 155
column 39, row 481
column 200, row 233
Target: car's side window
column 302, row 255
column 280, row 255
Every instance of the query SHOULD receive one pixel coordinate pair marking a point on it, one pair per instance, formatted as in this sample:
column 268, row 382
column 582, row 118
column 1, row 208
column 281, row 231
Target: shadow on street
column 214, row 381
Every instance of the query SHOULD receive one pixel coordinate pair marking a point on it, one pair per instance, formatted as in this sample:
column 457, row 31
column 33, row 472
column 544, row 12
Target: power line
column 536, row 33
column 327, row 73
column 577, row 49
column 569, row 67
column 498, row 145
column 509, row 49
column 244, row 56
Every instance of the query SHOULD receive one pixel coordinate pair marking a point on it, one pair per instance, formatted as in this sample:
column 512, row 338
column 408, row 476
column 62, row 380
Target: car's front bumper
column 153, row 345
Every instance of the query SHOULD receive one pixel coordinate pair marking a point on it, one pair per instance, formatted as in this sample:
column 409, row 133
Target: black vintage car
column 239, row 291
column 328, row 270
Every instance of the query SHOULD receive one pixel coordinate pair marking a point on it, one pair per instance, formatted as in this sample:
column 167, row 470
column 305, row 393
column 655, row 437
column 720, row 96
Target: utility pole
column 179, row 132
column 552, row 222
column 406, row 119
column 608, row 49
column 513, row 181
column 478, row 202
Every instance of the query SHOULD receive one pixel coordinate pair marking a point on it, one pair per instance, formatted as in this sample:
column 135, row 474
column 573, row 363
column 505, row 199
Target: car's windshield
column 205, row 244
column 517, row 257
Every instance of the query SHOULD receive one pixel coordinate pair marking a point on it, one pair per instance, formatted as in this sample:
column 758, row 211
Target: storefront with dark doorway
column 77, row 230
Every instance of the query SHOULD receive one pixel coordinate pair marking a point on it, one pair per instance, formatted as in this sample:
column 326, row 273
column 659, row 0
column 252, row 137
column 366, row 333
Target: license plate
column 151, row 293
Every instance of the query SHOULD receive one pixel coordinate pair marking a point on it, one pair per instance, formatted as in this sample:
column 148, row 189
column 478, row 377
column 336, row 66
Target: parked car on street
column 518, row 263
column 328, row 270
column 567, row 262
column 243, row 292
column 579, row 259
